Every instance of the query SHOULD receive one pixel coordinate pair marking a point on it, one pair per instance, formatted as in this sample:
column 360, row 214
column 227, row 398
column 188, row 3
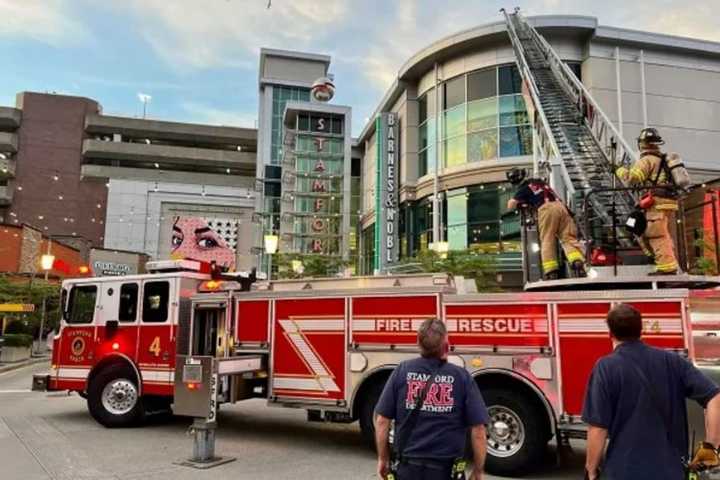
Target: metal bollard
column 203, row 456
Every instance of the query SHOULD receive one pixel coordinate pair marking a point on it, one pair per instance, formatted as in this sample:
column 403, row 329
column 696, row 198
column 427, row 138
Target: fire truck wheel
column 113, row 398
column 367, row 413
column 516, row 432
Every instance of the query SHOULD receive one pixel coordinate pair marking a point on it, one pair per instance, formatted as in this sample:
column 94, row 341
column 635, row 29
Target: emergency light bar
column 174, row 266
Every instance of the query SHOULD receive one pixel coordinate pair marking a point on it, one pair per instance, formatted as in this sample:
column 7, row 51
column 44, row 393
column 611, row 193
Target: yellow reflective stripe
column 666, row 267
column 635, row 172
column 666, row 206
column 574, row 256
column 550, row 265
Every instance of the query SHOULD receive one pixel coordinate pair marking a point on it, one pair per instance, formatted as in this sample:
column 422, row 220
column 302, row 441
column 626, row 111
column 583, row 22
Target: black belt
column 433, row 463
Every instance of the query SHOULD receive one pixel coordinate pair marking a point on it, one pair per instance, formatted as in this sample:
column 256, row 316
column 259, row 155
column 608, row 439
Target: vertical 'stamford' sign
column 386, row 192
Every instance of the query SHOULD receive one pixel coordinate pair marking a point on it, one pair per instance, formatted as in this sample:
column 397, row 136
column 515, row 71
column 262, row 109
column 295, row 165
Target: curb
column 24, row 363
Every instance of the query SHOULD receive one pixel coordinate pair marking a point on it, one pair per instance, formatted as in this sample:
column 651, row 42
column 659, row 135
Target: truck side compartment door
column 309, row 360
column 156, row 344
column 76, row 347
column 117, row 330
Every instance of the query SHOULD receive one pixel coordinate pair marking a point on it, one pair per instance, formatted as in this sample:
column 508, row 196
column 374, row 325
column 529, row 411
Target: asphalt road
column 52, row 436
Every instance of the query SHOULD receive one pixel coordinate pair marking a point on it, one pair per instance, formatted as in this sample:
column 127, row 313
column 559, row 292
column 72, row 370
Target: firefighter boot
column 579, row 268
column 554, row 275
column 705, row 457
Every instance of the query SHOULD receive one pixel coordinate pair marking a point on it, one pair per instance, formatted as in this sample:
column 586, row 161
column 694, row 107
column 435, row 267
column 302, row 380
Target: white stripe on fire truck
column 73, row 373
column 663, row 327
column 539, row 325
column 295, row 330
column 296, row 383
column 157, row 376
column 313, row 325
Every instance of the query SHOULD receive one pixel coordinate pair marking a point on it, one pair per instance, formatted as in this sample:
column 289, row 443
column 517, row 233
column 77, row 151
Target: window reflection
column 484, row 118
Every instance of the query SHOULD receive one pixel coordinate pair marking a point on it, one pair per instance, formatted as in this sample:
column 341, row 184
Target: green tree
column 311, row 266
column 12, row 291
column 465, row 263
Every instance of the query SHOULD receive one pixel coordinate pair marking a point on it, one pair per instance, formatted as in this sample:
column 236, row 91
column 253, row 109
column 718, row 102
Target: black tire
column 507, row 455
column 367, row 412
column 125, row 376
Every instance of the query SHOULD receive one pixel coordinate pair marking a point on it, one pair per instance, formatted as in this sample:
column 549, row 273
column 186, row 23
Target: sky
column 198, row 59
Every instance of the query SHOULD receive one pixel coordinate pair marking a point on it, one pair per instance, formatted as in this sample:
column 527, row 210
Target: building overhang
column 157, row 129
column 139, row 155
column 10, row 118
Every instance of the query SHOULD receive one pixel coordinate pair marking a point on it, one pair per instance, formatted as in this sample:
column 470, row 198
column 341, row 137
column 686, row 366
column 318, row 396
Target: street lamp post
column 46, row 262
column 271, row 245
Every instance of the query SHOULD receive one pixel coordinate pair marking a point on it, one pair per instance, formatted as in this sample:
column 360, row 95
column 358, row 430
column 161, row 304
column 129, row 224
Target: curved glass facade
column 473, row 217
column 483, row 118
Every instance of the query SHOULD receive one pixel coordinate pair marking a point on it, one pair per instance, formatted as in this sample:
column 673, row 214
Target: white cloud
column 201, row 113
column 228, row 33
column 44, row 20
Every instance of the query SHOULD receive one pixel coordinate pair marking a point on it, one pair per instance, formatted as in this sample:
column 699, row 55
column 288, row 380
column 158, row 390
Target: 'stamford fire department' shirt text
column 452, row 404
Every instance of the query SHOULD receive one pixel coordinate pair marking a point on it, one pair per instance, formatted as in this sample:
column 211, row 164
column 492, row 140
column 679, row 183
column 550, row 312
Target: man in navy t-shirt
column 452, row 405
column 644, row 412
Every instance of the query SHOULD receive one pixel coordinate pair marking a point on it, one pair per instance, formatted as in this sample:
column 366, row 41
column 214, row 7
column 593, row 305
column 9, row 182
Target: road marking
column 27, row 390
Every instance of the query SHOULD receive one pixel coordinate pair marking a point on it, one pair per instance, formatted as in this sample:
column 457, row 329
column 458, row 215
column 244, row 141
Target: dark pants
column 424, row 470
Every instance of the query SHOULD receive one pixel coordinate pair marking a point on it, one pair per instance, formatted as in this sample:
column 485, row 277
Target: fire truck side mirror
column 111, row 327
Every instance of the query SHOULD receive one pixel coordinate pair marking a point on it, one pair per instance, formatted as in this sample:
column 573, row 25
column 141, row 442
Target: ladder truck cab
column 329, row 345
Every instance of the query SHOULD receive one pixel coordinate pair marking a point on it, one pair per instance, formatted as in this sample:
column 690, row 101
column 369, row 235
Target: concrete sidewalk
column 6, row 367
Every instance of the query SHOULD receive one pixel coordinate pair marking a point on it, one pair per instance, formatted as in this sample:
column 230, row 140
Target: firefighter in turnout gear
column 650, row 171
column 554, row 222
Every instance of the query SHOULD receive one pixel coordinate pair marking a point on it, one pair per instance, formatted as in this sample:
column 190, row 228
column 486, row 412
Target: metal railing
column 545, row 143
column 617, row 151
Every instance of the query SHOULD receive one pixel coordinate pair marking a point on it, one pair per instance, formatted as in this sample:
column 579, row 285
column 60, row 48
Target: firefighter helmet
column 516, row 175
column 650, row 136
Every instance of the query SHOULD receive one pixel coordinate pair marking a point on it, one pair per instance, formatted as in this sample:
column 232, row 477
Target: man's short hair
column 624, row 322
column 431, row 338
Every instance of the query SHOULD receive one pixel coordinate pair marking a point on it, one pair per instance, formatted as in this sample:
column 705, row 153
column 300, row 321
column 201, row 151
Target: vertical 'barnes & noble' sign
column 386, row 192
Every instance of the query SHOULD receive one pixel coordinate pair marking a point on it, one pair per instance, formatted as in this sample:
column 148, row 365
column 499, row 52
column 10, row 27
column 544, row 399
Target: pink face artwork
column 193, row 239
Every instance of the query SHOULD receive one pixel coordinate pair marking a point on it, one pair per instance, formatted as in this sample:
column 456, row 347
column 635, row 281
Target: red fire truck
column 329, row 345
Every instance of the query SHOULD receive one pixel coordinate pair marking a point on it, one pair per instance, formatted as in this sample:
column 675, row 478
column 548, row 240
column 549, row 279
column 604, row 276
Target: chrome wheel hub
column 506, row 434
column 119, row 396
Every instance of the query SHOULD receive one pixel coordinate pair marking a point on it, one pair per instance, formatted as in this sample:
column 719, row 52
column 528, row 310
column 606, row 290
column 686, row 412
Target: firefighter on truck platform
column 554, row 222
column 653, row 170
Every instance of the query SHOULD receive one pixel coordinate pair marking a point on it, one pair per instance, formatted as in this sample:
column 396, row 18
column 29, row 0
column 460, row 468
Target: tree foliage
column 312, row 266
column 465, row 263
column 31, row 292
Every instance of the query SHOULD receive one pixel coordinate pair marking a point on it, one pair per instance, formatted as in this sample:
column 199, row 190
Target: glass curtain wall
column 474, row 217
column 281, row 95
column 483, row 118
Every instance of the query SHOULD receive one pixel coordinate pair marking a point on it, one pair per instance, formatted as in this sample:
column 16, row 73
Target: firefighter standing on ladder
column 554, row 222
column 649, row 170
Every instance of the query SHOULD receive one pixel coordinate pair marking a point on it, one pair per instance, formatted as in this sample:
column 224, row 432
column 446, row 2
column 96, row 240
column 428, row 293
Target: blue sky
column 198, row 58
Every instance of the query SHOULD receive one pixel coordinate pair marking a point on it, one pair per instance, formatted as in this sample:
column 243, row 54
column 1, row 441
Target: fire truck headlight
column 116, row 346
column 192, row 386
column 535, row 247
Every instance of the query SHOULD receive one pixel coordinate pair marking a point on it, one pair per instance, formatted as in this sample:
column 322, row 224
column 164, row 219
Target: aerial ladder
column 575, row 142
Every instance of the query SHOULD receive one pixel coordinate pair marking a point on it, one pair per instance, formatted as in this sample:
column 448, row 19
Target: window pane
column 482, row 145
column 509, row 79
column 82, row 304
column 482, row 114
column 422, row 163
column 484, row 235
column 454, row 92
column 454, row 123
column 337, row 126
column 304, row 123
column 515, row 141
column 128, row 302
column 483, row 204
column 155, row 302
column 576, row 68
column 431, row 155
column 455, row 151
column 422, row 108
column 512, row 110
column 482, row 84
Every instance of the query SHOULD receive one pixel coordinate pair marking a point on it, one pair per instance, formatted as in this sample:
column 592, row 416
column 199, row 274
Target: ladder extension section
column 572, row 132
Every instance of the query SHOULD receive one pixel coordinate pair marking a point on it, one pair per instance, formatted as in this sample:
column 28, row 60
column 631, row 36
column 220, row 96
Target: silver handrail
column 546, row 140
column 614, row 145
